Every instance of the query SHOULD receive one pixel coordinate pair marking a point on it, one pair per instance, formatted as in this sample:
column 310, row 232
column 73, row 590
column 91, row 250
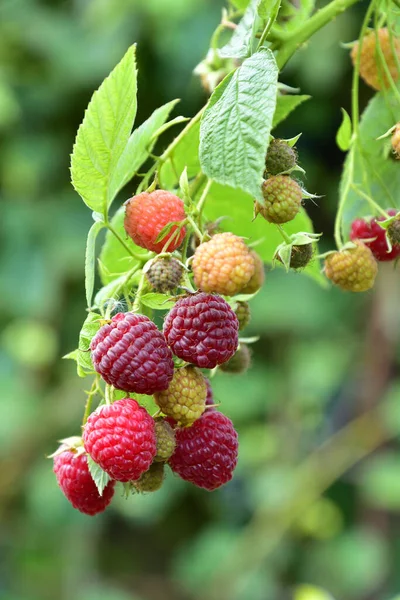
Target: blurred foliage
column 323, row 357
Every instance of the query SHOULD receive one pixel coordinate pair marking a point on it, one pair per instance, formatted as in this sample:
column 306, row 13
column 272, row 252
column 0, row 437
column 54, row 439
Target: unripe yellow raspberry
column 185, row 398
column 396, row 141
column 371, row 68
column 353, row 269
column 257, row 278
column 224, row 265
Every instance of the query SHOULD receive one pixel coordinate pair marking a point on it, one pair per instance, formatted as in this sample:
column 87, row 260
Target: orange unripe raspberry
column 282, row 198
column 257, row 278
column 224, row 265
column 185, row 398
column 371, row 68
column 353, row 269
column 396, row 141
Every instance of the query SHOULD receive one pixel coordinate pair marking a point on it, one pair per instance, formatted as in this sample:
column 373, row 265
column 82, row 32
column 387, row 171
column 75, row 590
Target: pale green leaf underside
column 285, row 105
column 99, row 476
column 235, row 128
column 239, row 45
column 376, row 172
column 104, row 133
column 138, row 148
column 238, row 208
column 90, row 258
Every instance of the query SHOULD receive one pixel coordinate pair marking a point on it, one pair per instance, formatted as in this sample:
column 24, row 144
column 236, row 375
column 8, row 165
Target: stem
column 182, row 134
column 203, row 198
column 374, row 205
column 342, row 202
column 268, row 26
column 141, row 286
column 141, row 257
column 88, row 406
column 194, row 226
column 304, row 32
column 284, row 234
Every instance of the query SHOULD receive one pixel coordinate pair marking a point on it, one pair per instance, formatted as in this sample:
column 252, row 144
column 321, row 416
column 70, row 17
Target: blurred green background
column 288, row 526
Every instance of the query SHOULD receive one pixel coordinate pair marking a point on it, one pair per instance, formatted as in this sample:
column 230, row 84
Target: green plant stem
column 268, row 26
column 193, row 224
column 284, row 234
column 141, row 257
column 91, row 394
column 182, row 134
column 342, row 202
column 300, row 35
column 370, row 201
column 139, row 292
column 203, row 198
column 319, row 471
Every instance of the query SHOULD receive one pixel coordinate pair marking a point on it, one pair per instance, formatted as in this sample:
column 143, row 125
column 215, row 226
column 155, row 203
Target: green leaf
column 138, row 148
column 90, row 258
column 286, row 104
column 380, row 482
column 104, row 133
column 185, row 154
column 82, row 354
column 310, row 592
column 375, row 173
column 238, row 207
column 114, row 258
column 265, row 8
column 236, row 124
column 239, row 46
column 343, row 137
column 100, row 477
column 158, row 301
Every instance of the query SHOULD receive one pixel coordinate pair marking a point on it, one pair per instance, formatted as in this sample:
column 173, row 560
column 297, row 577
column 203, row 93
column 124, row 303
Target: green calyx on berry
column 392, row 226
column 297, row 253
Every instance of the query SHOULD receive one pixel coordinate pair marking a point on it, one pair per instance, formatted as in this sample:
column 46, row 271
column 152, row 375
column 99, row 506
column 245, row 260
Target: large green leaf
column 114, row 258
column 286, row 104
column 185, row 154
column 238, row 209
column 138, row 148
column 104, row 133
column 375, row 172
column 235, row 128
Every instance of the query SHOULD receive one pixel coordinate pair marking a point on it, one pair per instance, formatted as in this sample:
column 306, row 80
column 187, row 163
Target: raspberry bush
column 197, row 221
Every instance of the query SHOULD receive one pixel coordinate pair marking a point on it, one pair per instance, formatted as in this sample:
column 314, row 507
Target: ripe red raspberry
column 281, row 157
column 243, row 314
column 353, row 269
column 224, row 265
column 371, row 69
column 282, row 197
column 132, row 355
column 120, row 437
column 202, row 329
column 165, row 438
column 152, row 480
column 240, row 361
column 165, row 274
column 363, row 229
column 257, row 278
column 74, row 479
column 185, row 398
column 206, row 453
column 147, row 214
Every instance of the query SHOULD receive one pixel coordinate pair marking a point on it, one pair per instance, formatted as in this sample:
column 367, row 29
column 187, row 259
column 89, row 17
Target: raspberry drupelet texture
column 369, row 229
column 165, row 439
column 152, row 480
column 281, row 157
column 185, row 398
column 282, row 197
column 240, row 361
column 132, row 355
column 206, row 453
column 147, row 214
column 353, row 269
column 371, row 69
column 121, row 439
column 394, row 235
column 224, row 265
column 257, row 278
column 165, row 274
column 242, row 312
column 202, row 329
column 75, row 481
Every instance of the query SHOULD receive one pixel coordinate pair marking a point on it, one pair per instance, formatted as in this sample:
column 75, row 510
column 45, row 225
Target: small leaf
column 100, row 477
column 139, row 146
column 236, row 124
column 104, row 133
column 184, row 186
column 158, row 301
column 166, row 230
column 82, row 354
column 343, row 137
column 90, row 258
column 239, row 46
column 265, row 8
column 285, row 105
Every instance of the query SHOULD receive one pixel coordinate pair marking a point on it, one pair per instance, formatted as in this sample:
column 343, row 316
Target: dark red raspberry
column 362, row 229
column 121, row 439
column 146, row 215
column 206, row 453
column 74, row 479
column 132, row 355
column 202, row 329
